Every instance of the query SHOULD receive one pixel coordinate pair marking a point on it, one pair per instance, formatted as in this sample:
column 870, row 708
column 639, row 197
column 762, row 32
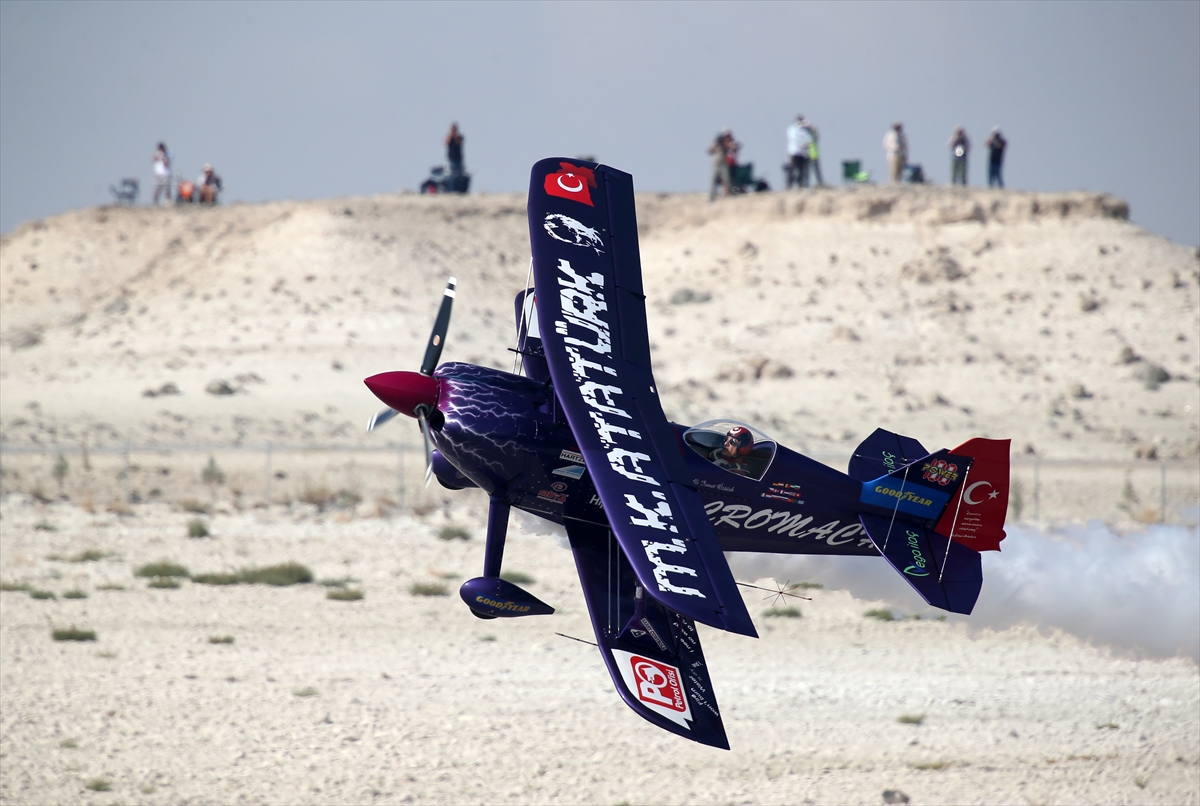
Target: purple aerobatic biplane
column 580, row 438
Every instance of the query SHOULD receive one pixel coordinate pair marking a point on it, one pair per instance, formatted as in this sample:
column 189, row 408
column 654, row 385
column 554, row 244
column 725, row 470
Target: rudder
column 975, row 515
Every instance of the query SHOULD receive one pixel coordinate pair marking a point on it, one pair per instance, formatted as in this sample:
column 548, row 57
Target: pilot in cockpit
column 734, row 452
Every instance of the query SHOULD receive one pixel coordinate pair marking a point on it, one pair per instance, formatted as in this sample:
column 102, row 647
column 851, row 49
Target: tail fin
column 963, row 491
column 975, row 515
column 921, row 489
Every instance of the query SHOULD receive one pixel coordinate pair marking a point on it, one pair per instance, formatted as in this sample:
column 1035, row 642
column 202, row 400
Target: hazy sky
column 309, row 100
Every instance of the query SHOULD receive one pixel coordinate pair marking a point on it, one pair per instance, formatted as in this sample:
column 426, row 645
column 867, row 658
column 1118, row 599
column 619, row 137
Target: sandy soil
column 403, row 698
column 1046, row 318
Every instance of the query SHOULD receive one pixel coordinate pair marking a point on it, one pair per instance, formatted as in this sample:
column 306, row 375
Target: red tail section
column 975, row 515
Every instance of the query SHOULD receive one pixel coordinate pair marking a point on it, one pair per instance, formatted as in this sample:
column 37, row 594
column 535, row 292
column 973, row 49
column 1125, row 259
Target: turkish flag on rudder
column 975, row 515
column 572, row 182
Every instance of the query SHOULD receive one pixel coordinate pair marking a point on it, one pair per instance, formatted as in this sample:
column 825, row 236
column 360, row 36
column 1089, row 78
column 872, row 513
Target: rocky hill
column 942, row 313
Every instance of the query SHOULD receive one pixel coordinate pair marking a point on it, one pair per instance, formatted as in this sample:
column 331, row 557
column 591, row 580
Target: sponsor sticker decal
column 572, row 182
column 572, row 456
column 557, row 498
column 782, row 491
column 940, row 471
column 511, row 607
column 917, row 569
column 891, row 493
column 570, row 471
column 656, row 685
column 566, row 229
column 784, row 523
column 559, row 486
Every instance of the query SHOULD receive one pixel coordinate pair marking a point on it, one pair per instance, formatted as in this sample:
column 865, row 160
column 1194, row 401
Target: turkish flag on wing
column 572, row 182
column 975, row 515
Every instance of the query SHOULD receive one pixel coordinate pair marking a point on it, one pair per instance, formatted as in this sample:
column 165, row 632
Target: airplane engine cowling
column 448, row 475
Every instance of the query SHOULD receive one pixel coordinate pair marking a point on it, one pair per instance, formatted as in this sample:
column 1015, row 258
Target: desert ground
column 167, row 367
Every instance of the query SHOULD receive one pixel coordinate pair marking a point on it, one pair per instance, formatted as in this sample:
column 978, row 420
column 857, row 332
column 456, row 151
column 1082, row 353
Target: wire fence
column 392, row 475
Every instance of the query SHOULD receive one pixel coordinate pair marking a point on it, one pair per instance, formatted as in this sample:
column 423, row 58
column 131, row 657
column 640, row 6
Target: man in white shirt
column 162, row 173
column 896, row 146
column 799, row 140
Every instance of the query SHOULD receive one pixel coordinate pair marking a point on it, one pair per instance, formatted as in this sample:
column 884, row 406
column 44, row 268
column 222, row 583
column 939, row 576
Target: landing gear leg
column 490, row 596
column 497, row 531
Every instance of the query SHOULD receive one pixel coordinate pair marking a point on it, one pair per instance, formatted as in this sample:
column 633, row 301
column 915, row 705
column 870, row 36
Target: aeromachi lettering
column 588, row 338
column 783, row 523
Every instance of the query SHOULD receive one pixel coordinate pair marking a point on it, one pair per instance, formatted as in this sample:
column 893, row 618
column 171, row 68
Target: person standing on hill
column 208, row 185
column 798, row 140
column 895, row 145
column 454, row 151
column 814, row 157
column 724, row 153
column 162, row 173
column 959, row 146
column 995, row 146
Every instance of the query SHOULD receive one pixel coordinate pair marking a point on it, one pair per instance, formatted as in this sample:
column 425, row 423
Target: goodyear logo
column 907, row 496
column 891, row 494
column 512, row 607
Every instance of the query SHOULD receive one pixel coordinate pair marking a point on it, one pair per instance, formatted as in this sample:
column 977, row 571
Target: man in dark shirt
column 454, row 150
column 995, row 146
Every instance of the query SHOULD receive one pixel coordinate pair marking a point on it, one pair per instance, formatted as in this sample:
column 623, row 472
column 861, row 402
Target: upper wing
column 588, row 277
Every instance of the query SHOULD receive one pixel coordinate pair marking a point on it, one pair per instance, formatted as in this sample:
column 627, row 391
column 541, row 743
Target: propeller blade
column 424, row 421
column 380, row 418
column 437, row 340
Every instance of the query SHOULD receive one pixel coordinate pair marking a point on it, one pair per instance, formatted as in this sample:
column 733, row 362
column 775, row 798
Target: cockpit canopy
column 725, row 444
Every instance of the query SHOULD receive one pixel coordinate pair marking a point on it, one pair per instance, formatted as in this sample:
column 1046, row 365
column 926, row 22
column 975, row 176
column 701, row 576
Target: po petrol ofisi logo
column 919, row 563
column 656, row 685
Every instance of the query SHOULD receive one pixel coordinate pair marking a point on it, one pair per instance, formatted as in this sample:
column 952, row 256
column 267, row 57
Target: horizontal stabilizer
column 946, row 575
column 883, row 452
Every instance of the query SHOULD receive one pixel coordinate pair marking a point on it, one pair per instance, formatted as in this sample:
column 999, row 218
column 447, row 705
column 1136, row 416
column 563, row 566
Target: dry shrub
column 118, row 507
column 193, row 506
column 319, row 497
column 282, row 574
column 782, row 612
column 453, row 533
column 428, row 589
column 279, row 575
column 161, row 569
column 217, row 579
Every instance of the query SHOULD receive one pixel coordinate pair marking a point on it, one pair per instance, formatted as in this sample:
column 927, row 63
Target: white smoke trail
column 1138, row 591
